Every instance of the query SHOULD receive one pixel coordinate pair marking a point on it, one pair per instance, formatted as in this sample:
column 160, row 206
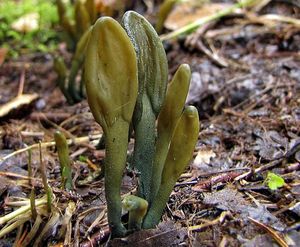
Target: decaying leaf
column 270, row 145
column 232, row 200
column 17, row 102
column 108, row 7
column 203, row 156
column 185, row 13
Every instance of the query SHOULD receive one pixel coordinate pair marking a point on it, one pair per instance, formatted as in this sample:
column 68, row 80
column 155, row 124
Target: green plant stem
column 116, row 144
column 81, row 86
column 152, row 78
column 77, row 64
column 144, row 148
column 154, row 214
column 196, row 24
column 91, row 9
column 82, row 19
column 162, row 147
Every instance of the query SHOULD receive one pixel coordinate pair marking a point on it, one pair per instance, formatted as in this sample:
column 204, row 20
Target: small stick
column 196, row 24
column 32, row 193
column 269, row 230
column 51, row 144
column 97, row 238
column 260, row 169
column 220, row 219
column 45, row 182
column 225, row 177
column 20, row 211
column 22, row 82
column 15, row 175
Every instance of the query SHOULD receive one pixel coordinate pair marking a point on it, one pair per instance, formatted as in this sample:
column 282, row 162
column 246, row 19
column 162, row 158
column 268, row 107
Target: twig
column 12, row 226
column 15, row 175
column 97, row 238
column 22, row 82
column 269, row 230
column 207, row 174
column 96, row 222
column 52, row 116
column 45, row 181
column 51, row 144
column 260, row 169
column 78, row 219
column 208, row 183
column 194, row 25
column 32, row 192
column 220, row 219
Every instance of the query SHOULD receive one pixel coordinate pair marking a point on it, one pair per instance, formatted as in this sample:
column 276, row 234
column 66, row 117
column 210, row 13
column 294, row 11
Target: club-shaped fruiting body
column 137, row 208
column 76, row 65
column 180, row 153
column 152, row 77
column 126, row 80
column 167, row 120
column 111, row 86
column 64, row 160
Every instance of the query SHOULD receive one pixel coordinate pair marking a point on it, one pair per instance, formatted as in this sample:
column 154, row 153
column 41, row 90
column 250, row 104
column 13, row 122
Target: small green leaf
column 274, row 181
column 82, row 158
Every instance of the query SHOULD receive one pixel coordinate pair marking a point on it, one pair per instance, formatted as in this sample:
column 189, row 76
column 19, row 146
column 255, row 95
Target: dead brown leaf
column 184, row 14
column 17, row 102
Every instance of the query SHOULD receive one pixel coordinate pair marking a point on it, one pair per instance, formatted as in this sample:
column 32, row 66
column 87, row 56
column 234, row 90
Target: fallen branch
column 51, row 144
column 196, row 24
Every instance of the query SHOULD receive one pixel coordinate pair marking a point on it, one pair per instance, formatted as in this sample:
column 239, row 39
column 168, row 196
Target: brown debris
column 246, row 86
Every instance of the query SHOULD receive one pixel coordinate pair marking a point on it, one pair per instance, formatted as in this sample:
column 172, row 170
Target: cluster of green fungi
column 126, row 84
column 76, row 33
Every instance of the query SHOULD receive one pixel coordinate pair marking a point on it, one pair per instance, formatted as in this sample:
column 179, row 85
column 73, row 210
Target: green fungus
column 112, row 87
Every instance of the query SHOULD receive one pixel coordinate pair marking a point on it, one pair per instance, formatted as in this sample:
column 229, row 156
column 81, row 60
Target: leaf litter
column 250, row 122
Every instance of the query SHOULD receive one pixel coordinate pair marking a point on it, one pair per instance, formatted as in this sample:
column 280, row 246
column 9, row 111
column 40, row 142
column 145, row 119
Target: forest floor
column 246, row 87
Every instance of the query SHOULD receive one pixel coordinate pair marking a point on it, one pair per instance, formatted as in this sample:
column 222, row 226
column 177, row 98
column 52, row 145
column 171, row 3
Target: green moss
column 43, row 39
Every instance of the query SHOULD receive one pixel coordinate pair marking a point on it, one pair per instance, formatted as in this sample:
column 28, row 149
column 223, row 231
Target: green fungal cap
column 110, row 73
column 152, row 60
column 137, row 208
